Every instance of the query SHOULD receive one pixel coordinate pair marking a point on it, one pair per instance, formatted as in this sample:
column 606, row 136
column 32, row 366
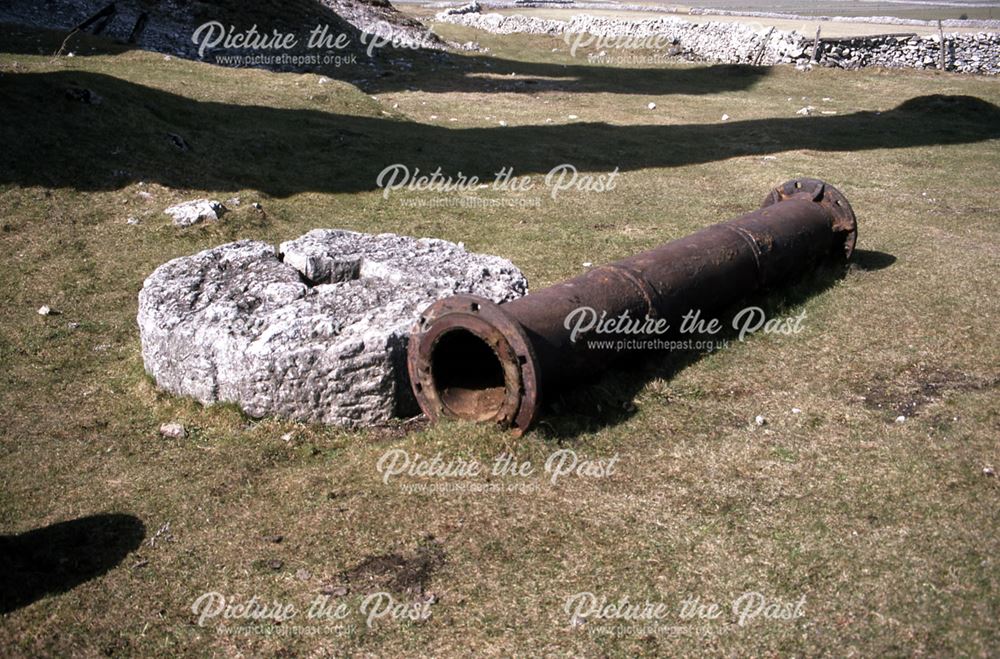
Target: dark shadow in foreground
column 57, row 558
column 609, row 400
column 89, row 131
column 869, row 261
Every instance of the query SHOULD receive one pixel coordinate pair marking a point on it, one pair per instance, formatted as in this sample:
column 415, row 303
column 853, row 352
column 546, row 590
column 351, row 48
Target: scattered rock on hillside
column 179, row 142
column 173, row 430
column 196, row 211
column 82, row 95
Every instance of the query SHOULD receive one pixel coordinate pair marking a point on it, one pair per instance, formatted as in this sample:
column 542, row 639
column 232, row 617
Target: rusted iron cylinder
column 472, row 359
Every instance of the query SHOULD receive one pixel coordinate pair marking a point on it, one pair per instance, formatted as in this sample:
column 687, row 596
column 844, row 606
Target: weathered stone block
column 315, row 332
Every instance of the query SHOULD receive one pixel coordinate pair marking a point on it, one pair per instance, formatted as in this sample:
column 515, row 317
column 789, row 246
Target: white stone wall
column 738, row 43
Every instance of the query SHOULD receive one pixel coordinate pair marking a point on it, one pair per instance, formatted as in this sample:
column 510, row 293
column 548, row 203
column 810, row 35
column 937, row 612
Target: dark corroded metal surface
column 472, row 359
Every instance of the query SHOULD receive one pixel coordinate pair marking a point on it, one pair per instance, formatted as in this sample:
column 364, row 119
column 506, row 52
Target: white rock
column 315, row 331
column 651, row 106
column 900, row 419
column 196, row 211
column 572, row 116
column 173, row 430
column 760, row 420
column 796, row 410
column 806, row 110
column 725, row 117
column 44, row 310
column 503, row 123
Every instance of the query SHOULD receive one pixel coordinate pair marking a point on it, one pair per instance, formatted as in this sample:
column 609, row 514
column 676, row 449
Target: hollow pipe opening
column 468, row 375
column 468, row 359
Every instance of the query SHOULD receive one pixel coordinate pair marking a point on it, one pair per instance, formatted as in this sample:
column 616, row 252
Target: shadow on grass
column 54, row 136
column 481, row 75
column 54, row 559
column 609, row 400
column 870, row 261
column 393, row 69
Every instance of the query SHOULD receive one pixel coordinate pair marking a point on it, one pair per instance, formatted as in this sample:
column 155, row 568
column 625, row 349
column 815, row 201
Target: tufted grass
column 888, row 530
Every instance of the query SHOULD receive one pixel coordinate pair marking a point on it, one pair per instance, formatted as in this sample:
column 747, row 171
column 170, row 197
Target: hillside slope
column 169, row 25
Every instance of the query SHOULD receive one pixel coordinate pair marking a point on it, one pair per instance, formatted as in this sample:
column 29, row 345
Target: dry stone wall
column 740, row 43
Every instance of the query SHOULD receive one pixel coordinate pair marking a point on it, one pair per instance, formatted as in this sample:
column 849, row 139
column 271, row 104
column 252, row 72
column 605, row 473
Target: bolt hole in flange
column 468, row 375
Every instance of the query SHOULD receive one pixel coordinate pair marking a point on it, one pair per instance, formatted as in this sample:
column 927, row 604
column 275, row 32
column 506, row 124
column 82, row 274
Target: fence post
column 944, row 65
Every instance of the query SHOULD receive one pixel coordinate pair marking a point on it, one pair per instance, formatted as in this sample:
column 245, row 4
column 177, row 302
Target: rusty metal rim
column 505, row 337
column 844, row 220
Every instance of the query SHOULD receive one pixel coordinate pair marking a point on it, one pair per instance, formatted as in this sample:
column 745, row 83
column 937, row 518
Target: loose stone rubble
column 314, row 331
column 173, row 430
column 195, row 212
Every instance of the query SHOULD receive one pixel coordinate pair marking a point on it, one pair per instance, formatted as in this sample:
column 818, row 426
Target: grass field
column 874, row 536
